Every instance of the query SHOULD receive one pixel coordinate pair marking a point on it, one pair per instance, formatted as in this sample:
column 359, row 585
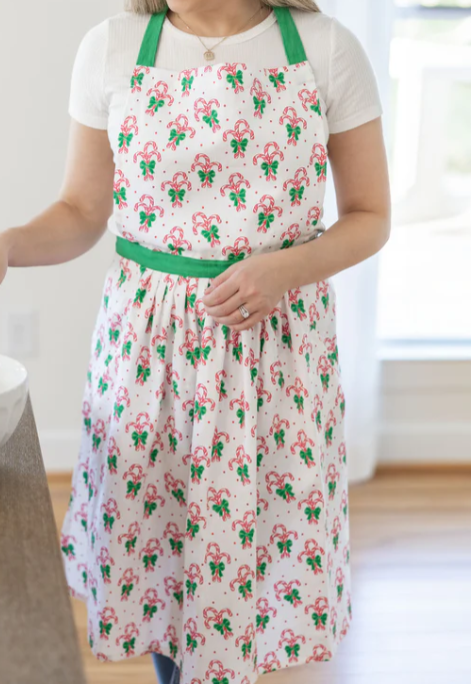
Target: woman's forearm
column 59, row 234
column 352, row 239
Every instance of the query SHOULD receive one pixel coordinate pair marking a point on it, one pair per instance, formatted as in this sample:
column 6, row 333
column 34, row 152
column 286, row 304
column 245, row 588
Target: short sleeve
column 352, row 92
column 87, row 102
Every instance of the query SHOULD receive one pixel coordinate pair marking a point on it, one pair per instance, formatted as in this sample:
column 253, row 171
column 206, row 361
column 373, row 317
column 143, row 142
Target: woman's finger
column 235, row 317
column 226, row 308
column 224, row 288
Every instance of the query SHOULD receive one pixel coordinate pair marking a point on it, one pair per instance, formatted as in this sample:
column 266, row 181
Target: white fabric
column 108, row 52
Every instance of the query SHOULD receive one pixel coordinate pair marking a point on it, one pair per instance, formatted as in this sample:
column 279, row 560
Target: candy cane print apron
column 208, row 519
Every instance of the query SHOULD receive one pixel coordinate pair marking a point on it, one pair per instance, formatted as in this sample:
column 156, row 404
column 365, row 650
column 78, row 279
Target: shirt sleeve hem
column 99, row 122
column 357, row 120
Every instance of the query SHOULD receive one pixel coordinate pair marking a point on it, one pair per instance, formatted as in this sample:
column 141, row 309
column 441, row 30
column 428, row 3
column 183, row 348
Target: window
column 425, row 269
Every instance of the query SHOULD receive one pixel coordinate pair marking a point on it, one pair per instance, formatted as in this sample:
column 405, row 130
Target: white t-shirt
column 108, row 54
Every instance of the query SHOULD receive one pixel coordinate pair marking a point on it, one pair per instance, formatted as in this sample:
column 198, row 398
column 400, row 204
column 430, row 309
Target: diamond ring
column 244, row 311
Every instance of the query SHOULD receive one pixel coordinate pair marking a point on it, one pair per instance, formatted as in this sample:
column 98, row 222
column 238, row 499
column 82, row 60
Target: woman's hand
column 258, row 282
column 4, row 252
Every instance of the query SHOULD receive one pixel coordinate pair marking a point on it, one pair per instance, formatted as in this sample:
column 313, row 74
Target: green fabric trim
column 189, row 267
column 150, row 42
column 292, row 42
column 294, row 47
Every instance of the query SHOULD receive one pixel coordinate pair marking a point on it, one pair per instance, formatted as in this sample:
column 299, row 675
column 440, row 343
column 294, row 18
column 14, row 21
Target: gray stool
column 38, row 637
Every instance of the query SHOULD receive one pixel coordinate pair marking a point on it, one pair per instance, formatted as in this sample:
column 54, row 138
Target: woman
column 208, row 520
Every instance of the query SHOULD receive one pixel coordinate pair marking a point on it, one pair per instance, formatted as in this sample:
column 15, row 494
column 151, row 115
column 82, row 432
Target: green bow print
column 176, row 195
column 246, row 537
column 259, row 104
column 270, row 168
column 120, row 195
column 187, row 83
column 124, row 140
column 155, row 104
column 212, row 119
column 147, row 168
column 137, row 80
column 235, row 80
column 147, row 219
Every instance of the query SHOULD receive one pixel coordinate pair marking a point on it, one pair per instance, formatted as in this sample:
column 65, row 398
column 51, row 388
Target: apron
column 208, row 519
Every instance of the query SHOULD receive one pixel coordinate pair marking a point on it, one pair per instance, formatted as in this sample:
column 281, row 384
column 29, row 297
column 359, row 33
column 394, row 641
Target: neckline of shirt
column 230, row 40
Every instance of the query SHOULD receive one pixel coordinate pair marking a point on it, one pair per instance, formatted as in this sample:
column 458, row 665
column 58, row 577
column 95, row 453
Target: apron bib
column 209, row 512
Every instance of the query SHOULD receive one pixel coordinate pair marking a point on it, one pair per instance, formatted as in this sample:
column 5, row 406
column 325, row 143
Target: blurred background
column 404, row 328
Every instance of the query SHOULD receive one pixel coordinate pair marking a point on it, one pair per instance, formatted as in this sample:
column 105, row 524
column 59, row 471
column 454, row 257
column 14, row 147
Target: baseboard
column 425, row 442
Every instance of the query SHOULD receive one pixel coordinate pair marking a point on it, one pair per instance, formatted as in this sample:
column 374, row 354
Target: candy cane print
column 292, row 642
column 310, row 100
column 128, row 130
column 179, row 129
column 292, row 127
column 313, row 506
column 207, row 227
column 193, row 636
column 239, row 135
column 238, row 251
column 119, row 189
column 289, row 236
column 243, row 584
column 150, row 601
column 234, row 76
column 260, row 98
column 270, row 164
column 277, row 78
column 238, row 193
column 320, row 155
column 127, row 582
column 177, row 189
column 176, row 241
column 149, row 156
column 288, row 591
column 147, row 215
column 267, row 210
column 297, row 191
column 158, row 95
column 216, row 564
column 186, row 78
column 241, row 461
column 208, row 112
column 300, row 393
column 283, row 488
column 263, row 607
column 138, row 77
column 206, row 171
column 304, row 446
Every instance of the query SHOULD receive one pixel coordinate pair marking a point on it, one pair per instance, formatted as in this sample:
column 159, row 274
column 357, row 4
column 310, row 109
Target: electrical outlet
column 22, row 334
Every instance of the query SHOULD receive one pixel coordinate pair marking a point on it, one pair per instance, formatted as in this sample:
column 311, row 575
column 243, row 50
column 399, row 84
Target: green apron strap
column 294, row 47
column 148, row 52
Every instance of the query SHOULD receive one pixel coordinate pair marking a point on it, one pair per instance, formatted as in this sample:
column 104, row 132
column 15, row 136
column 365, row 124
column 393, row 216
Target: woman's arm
column 76, row 221
column 360, row 172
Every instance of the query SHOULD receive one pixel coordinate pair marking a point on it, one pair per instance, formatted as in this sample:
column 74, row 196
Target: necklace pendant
column 209, row 54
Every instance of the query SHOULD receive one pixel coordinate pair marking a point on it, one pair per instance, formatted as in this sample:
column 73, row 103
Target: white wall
column 38, row 42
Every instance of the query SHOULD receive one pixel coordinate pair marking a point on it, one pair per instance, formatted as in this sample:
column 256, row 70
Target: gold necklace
column 209, row 52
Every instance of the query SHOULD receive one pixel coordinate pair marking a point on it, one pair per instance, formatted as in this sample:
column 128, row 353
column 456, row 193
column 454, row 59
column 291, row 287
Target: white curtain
column 356, row 287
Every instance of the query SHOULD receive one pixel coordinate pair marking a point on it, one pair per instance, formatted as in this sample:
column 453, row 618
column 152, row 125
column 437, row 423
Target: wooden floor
column 411, row 599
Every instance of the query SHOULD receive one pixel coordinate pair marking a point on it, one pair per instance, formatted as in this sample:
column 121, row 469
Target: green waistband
column 189, row 267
